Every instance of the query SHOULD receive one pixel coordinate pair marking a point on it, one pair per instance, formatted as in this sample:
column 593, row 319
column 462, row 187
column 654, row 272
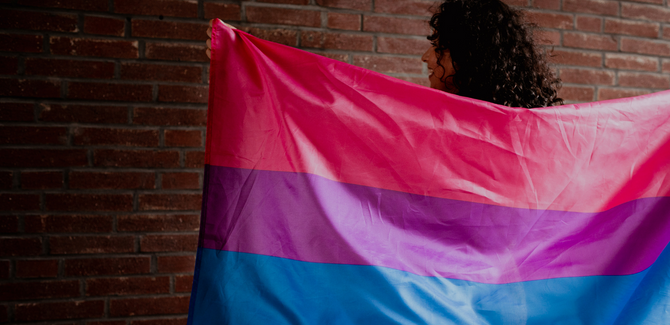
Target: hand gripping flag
column 337, row 195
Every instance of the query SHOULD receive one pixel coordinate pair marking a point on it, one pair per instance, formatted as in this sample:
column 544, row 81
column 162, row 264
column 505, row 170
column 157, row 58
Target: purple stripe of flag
column 309, row 218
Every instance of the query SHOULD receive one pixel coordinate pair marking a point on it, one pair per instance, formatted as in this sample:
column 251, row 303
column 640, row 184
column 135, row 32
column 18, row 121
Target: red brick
column 176, row 52
column 112, row 180
column 151, row 223
column 644, row 80
column 283, row 16
column 39, row 290
column 136, row 158
column 110, row 91
column 89, row 202
column 396, row 45
column 405, row 7
column 169, row 116
column 176, row 264
column 277, row 35
column 17, row 112
column 589, row 59
column 551, row 20
column 118, row 137
column 30, row 158
column 335, row 56
column 169, row 29
column 666, row 65
column 195, row 159
column 292, row 2
column 37, row 269
column 666, row 32
column 20, row 246
column 547, row 37
column 183, row 283
column 161, row 72
column 386, row 64
column 645, row 12
column 69, row 68
column 33, row 135
column 32, row 20
column 183, row 138
column 344, row 21
column 223, row 11
column 175, row 8
column 588, row 77
column 547, row 4
column 630, row 62
column 127, row 286
column 183, row 94
column 599, row 7
column 346, row 4
column 91, row 244
column 589, row 24
column 59, row 310
column 68, row 223
column 160, row 321
column 660, row 48
column 29, row 88
column 9, row 65
column 41, row 180
column 170, row 201
column 84, row 114
column 94, row 47
column 394, row 25
column 629, row 27
column 589, row 41
column 104, row 26
column 9, row 224
column 19, row 202
column 337, row 41
column 20, row 43
column 148, row 306
column 108, row 266
column 89, row 5
column 614, row 93
column 169, row 243
column 4, row 274
column 173, row 181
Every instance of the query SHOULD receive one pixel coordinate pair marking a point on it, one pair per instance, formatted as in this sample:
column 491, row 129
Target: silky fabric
column 337, row 195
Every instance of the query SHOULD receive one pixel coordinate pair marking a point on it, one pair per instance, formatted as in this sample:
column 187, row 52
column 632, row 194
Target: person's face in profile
column 440, row 75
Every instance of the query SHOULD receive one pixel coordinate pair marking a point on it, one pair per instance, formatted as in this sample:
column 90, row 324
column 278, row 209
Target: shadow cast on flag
column 337, row 195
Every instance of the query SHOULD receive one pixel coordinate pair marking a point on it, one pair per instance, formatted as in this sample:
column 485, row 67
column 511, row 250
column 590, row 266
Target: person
column 484, row 49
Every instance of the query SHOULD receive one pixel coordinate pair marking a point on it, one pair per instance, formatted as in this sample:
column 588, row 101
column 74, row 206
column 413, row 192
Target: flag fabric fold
column 337, row 195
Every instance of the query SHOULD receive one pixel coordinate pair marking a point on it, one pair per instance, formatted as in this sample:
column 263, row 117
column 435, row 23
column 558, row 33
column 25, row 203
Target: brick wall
column 103, row 114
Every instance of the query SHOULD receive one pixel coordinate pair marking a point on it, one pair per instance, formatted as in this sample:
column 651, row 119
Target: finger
column 211, row 23
column 229, row 25
column 209, row 54
column 209, row 32
column 209, row 44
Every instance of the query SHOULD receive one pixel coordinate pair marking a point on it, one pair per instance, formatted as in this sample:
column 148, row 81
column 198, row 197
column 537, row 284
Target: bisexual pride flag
column 337, row 195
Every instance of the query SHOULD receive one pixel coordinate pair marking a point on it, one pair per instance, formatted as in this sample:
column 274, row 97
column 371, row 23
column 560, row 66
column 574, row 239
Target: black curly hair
column 494, row 54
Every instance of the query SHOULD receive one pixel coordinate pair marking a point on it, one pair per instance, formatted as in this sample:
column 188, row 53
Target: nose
column 426, row 55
